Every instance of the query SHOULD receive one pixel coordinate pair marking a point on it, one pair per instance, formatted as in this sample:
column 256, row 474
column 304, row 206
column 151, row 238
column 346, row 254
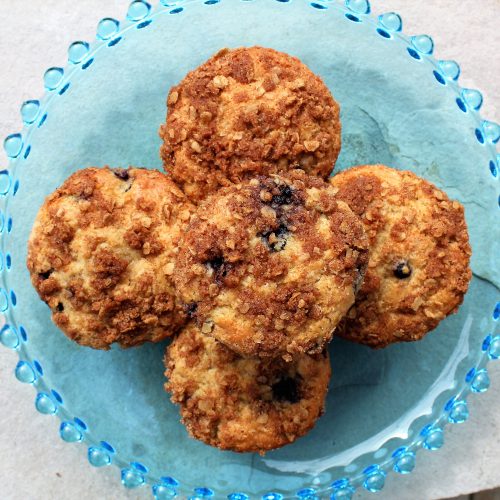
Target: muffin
column 101, row 255
column 418, row 270
column 243, row 404
column 246, row 112
column 270, row 266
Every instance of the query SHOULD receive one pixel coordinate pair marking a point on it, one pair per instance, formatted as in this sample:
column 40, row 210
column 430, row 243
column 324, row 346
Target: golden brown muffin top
column 243, row 404
column 245, row 112
column 270, row 266
column 418, row 270
column 101, row 255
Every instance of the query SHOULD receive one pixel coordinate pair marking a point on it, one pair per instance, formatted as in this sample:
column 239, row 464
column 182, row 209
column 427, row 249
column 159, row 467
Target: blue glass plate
column 400, row 106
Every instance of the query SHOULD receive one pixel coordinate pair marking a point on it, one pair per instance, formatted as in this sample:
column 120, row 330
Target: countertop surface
column 36, row 464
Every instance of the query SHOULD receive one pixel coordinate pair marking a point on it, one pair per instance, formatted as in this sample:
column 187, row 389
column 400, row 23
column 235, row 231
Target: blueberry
column 122, row 174
column 45, row 275
column 216, row 263
column 287, row 389
column 219, row 266
column 402, row 269
column 285, row 196
column 191, row 308
column 277, row 242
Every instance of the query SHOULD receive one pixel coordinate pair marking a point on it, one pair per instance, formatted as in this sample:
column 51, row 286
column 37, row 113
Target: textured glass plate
column 400, row 106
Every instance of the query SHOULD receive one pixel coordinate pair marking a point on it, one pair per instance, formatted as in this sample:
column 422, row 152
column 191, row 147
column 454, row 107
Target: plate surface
column 399, row 107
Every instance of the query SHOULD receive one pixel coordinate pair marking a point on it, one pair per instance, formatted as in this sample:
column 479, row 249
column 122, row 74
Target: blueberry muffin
column 243, row 404
column 418, row 270
column 245, row 112
column 270, row 266
column 101, row 255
